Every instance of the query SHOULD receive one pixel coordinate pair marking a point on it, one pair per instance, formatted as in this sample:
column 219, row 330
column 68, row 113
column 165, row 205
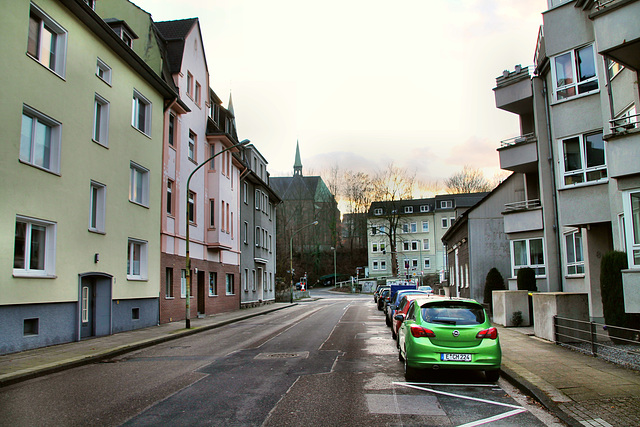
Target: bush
column 516, row 318
column 611, row 268
column 493, row 282
column 527, row 280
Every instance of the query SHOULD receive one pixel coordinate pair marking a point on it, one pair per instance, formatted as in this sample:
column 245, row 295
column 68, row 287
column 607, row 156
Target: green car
column 448, row 333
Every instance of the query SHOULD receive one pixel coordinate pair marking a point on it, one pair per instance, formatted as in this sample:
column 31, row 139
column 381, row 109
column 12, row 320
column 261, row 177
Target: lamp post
column 188, row 275
column 291, row 252
column 335, row 280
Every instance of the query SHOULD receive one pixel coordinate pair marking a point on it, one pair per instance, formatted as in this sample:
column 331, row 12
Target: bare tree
column 469, row 180
column 391, row 187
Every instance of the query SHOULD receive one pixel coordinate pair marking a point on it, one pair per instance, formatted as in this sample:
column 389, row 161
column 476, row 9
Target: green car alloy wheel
column 449, row 333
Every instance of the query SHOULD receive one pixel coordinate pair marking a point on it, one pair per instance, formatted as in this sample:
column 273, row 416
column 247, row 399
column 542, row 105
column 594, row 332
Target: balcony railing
column 623, row 124
column 529, row 137
column 601, row 4
column 522, row 205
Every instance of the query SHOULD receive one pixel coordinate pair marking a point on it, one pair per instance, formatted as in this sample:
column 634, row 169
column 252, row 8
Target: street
column 326, row 362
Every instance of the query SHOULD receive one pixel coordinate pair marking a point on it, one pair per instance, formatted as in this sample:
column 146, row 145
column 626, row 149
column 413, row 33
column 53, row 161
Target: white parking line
column 494, row 418
column 461, row 396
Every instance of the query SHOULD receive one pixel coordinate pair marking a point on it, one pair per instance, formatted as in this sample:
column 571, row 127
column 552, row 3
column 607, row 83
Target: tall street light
column 291, row 252
column 188, row 278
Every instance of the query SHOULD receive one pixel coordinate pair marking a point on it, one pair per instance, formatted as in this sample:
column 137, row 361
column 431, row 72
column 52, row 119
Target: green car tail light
column 491, row 333
column 420, row 332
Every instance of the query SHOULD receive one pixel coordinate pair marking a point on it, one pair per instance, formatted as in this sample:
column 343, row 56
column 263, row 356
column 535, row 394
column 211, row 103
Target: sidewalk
column 579, row 389
column 28, row 364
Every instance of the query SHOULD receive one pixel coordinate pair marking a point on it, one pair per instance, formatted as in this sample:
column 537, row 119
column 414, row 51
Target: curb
column 536, row 393
column 27, row 374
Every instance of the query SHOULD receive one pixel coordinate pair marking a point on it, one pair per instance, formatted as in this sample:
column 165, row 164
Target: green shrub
column 527, row 280
column 493, row 282
column 516, row 318
column 611, row 268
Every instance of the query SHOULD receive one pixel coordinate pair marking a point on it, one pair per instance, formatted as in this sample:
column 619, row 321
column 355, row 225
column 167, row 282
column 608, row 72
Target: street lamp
column 188, row 278
column 291, row 252
column 335, row 280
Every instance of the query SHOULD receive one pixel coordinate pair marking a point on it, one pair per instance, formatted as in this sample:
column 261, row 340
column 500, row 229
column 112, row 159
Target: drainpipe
column 551, row 160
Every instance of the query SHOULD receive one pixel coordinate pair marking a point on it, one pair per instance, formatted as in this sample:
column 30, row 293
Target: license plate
column 455, row 357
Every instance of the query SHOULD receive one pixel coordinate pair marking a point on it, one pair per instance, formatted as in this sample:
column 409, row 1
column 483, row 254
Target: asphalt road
column 328, row 362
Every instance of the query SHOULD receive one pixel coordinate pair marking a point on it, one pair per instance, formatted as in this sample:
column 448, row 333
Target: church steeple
column 297, row 165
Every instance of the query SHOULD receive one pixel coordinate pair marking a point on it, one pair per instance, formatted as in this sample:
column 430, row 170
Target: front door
column 87, row 307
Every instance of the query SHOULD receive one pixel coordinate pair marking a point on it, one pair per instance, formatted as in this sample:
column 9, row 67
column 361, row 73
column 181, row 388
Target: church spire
column 297, row 165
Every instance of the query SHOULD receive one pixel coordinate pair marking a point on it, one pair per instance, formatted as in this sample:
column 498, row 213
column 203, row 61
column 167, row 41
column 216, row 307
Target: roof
column 175, row 34
column 459, row 201
column 301, row 188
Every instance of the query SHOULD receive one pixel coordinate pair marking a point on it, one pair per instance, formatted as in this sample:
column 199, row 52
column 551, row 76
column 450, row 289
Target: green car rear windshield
column 453, row 313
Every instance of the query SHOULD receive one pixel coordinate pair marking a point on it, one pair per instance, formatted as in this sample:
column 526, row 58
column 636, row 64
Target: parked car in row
column 394, row 300
column 437, row 332
column 377, row 292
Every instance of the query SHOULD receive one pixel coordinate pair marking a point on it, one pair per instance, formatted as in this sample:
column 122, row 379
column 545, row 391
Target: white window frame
column 424, row 208
column 139, row 100
column 427, row 263
column 426, row 245
column 574, row 255
column 138, row 183
column 408, row 209
column 578, row 88
column 245, row 188
column 383, row 247
column 58, row 64
column 191, row 207
column 446, row 204
column 142, row 271
column 537, row 267
column 191, row 146
column 375, row 265
column 213, row 290
column 229, row 284
column 374, row 247
column 183, row 283
column 377, row 211
column 413, row 227
column 97, row 207
column 103, row 71
column 100, row 120
column 583, row 171
column 383, row 265
column 626, row 120
column 632, row 226
column 49, row 160
column 245, row 280
column 415, row 245
column 49, row 261
column 425, row 226
column 406, row 245
column 445, row 222
column 246, row 232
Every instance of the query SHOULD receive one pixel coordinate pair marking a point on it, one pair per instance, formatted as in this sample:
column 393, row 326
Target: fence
column 614, row 343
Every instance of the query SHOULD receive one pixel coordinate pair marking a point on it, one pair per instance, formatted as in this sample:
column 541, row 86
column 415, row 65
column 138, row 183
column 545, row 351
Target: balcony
column 522, row 216
column 622, row 147
column 617, row 30
column 513, row 91
column 519, row 154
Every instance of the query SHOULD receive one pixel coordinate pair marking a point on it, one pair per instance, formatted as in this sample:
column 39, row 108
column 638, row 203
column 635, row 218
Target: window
column 254, row 279
column 383, row 247
column 192, row 146
column 414, row 245
column 257, row 199
column 141, row 113
column 626, row 120
column 229, row 284
column 212, row 213
column 374, row 247
column 191, row 206
column 183, row 283
column 172, row 130
column 425, row 245
column 574, row 73
column 631, row 202
column 169, row 197
column 614, row 67
column 528, row 253
column 405, row 246
column 408, row 209
column 31, row 327
column 375, row 265
column 425, row 226
column 573, row 246
column 139, row 185
column 446, row 204
column 427, row 263
column 40, row 140
column 101, row 120
column 377, row 211
column 424, row 208
column 34, row 247
column 103, row 71
column 245, row 279
column 168, row 282
column 245, row 188
column 47, row 42
column 583, row 159
column 246, row 232
column 198, row 92
column 213, row 283
column 97, row 209
column 445, row 222
column 414, row 227
column 258, row 234
column 405, row 228
column 189, row 84
column 383, row 265
column 136, row 260
column 414, row 264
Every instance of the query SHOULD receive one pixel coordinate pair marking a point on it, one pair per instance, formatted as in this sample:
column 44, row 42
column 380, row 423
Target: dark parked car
column 382, row 298
column 376, row 294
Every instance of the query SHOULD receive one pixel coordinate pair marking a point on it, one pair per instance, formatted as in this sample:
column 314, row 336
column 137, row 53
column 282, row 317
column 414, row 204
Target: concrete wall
column 124, row 312
column 563, row 304
column 505, row 303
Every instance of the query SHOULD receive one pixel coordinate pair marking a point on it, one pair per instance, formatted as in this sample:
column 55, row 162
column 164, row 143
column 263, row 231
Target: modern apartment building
column 257, row 231
column 81, row 171
column 419, row 226
column 576, row 154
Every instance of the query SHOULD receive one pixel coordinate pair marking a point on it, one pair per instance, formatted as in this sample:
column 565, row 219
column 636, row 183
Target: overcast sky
column 362, row 83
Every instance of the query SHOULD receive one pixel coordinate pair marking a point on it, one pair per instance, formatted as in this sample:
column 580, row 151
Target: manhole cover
column 301, row 354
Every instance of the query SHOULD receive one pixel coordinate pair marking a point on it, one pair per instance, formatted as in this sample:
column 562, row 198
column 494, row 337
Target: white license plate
column 455, row 357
